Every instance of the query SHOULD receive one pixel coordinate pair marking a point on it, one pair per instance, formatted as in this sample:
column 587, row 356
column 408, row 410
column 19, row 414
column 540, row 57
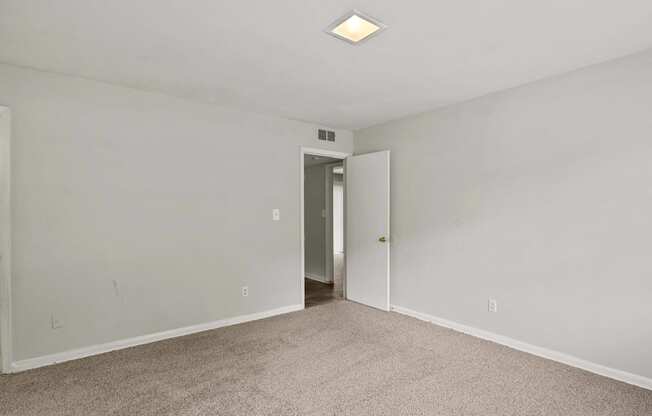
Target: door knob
column 382, row 239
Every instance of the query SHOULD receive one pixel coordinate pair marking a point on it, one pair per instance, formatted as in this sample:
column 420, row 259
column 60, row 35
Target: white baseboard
column 318, row 278
column 561, row 357
column 45, row 360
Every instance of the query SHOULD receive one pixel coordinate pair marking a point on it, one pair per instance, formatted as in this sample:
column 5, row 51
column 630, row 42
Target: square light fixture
column 355, row 27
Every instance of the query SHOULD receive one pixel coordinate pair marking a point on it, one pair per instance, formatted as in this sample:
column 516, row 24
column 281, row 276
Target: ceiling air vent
column 326, row 135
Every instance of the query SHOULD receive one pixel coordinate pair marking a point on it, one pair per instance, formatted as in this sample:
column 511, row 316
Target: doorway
column 359, row 259
column 323, row 237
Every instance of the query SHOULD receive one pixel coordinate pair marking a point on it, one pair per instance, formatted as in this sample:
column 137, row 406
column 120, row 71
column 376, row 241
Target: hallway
column 319, row 293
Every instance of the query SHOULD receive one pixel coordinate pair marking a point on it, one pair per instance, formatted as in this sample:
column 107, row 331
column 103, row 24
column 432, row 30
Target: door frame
column 6, row 331
column 302, row 238
column 329, row 252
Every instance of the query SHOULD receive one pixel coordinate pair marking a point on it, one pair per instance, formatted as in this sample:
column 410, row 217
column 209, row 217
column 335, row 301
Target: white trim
column 145, row 339
column 553, row 355
column 323, row 152
column 302, row 238
column 6, row 331
column 344, row 231
column 389, row 231
column 317, row 278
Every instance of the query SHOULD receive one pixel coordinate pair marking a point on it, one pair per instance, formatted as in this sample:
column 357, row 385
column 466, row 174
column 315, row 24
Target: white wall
column 315, row 223
column 170, row 199
column 539, row 197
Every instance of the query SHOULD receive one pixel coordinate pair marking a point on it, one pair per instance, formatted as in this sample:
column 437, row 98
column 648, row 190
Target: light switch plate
column 276, row 214
column 56, row 322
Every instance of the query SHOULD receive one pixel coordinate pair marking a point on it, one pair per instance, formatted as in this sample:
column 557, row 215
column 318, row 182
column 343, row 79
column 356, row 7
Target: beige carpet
column 335, row 359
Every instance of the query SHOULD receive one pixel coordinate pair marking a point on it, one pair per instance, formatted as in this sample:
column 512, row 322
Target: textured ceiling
column 272, row 57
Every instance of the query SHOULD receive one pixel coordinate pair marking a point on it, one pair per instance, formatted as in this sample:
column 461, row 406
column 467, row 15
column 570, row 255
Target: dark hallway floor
column 318, row 293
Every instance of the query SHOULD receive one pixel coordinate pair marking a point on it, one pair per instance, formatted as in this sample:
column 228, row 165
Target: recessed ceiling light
column 354, row 27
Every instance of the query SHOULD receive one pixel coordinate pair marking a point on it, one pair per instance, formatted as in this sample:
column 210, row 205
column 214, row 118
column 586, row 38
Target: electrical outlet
column 56, row 322
column 493, row 305
column 245, row 291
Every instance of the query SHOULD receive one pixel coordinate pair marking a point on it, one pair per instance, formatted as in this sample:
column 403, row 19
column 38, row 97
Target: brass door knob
column 382, row 239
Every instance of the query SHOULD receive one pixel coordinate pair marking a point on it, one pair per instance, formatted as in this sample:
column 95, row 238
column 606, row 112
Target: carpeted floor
column 335, row 359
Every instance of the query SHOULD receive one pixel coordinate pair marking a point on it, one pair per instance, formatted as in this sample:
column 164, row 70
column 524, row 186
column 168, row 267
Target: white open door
column 367, row 235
